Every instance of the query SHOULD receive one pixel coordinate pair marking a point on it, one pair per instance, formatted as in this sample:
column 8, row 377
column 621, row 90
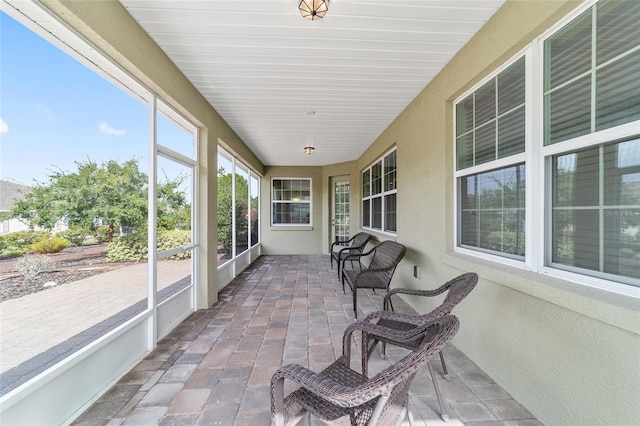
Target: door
column 340, row 212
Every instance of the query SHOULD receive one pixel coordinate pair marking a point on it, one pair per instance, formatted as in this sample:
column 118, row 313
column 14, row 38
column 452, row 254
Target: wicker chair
column 339, row 391
column 385, row 257
column 354, row 245
column 406, row 330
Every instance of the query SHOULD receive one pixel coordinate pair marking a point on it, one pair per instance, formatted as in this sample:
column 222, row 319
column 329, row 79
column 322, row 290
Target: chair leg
column 355, row 303
column 443, row 409
column 383, row 350
column 445, row 373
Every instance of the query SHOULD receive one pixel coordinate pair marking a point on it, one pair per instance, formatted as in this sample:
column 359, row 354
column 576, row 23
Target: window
column 238, row 201
column 92, row 124
column 591, row 75
column 290, row 201
column 492, row 211
column 379, row 191
column 490, row 142
column 591, row 71
column 583, row 172
column 596, row 209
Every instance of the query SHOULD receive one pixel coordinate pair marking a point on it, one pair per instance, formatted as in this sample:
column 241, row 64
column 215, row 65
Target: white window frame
column 538, row 165
column 382, row 195
column 310, row 202
column 512, row 160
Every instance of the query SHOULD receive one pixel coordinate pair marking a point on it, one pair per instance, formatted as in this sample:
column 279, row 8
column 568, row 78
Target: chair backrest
column 360, row 240
column 458, row 289
column 387, row 255
column 395, row 380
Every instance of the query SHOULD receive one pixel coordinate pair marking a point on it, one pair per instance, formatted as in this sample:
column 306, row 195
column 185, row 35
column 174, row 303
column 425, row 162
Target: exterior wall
column 293, row 239
column 109, row 26
column 569, row 353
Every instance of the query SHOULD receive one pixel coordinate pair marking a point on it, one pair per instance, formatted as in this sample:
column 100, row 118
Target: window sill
column 611, row 307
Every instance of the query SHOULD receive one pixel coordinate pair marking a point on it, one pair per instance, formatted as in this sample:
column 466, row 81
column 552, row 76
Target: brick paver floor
column 215, row 367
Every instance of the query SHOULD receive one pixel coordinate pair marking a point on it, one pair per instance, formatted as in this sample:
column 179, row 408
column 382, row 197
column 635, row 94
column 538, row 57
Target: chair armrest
column 412, row 292
column 347, row 249
column 342, row 243
column 375, row 330
column 359, row 255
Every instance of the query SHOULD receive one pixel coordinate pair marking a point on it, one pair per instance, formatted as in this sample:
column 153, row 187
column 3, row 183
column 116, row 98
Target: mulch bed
column 72, row 264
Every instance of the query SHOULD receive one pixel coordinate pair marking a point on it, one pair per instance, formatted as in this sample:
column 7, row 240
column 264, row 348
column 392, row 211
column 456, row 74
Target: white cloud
column 4, row 128
column 108, row 130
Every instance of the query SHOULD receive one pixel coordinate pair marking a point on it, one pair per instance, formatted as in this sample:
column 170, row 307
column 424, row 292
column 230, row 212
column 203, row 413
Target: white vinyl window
column 579, row 180
column 379, row 193
column 290, row 201
column 591, row 95
column 490, row 142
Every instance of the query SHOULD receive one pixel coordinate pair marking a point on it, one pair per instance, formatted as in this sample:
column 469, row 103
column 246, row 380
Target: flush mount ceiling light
column 313, row 9
column 309, row 149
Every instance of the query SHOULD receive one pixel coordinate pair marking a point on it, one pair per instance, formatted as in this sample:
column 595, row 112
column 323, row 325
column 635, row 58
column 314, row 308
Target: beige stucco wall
column 569, row 353
column 288, row 239
column 108, row 26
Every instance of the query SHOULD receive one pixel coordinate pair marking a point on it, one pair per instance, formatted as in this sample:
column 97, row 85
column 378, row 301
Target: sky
column 54, row 111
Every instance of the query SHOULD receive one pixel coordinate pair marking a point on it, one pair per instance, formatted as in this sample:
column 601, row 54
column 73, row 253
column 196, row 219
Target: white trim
column 590, row 281
column 382, row 194
column 500, row 163
column 301, row 201
column 538, row 159
column 623, row 131
column 492, row 257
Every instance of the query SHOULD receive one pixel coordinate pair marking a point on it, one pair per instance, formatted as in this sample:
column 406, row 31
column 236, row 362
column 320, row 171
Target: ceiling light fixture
column 309, row 149
column 313, row 9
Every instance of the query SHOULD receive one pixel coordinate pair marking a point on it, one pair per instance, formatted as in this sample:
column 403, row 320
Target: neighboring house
column 10, row 193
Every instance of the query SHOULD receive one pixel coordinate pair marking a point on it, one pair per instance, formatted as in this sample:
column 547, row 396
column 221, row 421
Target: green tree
column 174, row 211
column 111, row 193
column 225, row 209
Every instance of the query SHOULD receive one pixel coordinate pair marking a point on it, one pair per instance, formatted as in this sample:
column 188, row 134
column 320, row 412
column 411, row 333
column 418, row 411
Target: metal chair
column 339, row 391
column 406, row 330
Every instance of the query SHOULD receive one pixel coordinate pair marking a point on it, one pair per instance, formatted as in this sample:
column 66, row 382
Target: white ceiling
column 283, row 82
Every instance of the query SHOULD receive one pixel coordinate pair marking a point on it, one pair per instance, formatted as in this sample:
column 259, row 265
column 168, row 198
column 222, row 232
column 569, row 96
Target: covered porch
column 215, row 368
column 554, row 320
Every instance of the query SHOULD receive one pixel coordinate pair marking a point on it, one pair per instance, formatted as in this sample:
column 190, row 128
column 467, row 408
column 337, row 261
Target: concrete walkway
column 34, row 324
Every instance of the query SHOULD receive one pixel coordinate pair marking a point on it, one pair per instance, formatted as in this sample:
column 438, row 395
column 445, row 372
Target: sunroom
column 498, row 137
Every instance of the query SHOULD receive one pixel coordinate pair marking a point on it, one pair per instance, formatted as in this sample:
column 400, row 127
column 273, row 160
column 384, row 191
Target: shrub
column 53, row 244
column 75, row 236
column 16, row 243
column 133, row 247
column 172, row 239
column 102, row 233
column 128, row 248
column 30, row 266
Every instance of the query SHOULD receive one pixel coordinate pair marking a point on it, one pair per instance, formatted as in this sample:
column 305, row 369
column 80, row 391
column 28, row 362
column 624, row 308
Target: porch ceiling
column 265, row 69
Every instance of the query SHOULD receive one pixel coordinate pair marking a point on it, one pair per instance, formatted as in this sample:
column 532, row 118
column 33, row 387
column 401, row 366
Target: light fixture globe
column 309, row 149
column 313, row 9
